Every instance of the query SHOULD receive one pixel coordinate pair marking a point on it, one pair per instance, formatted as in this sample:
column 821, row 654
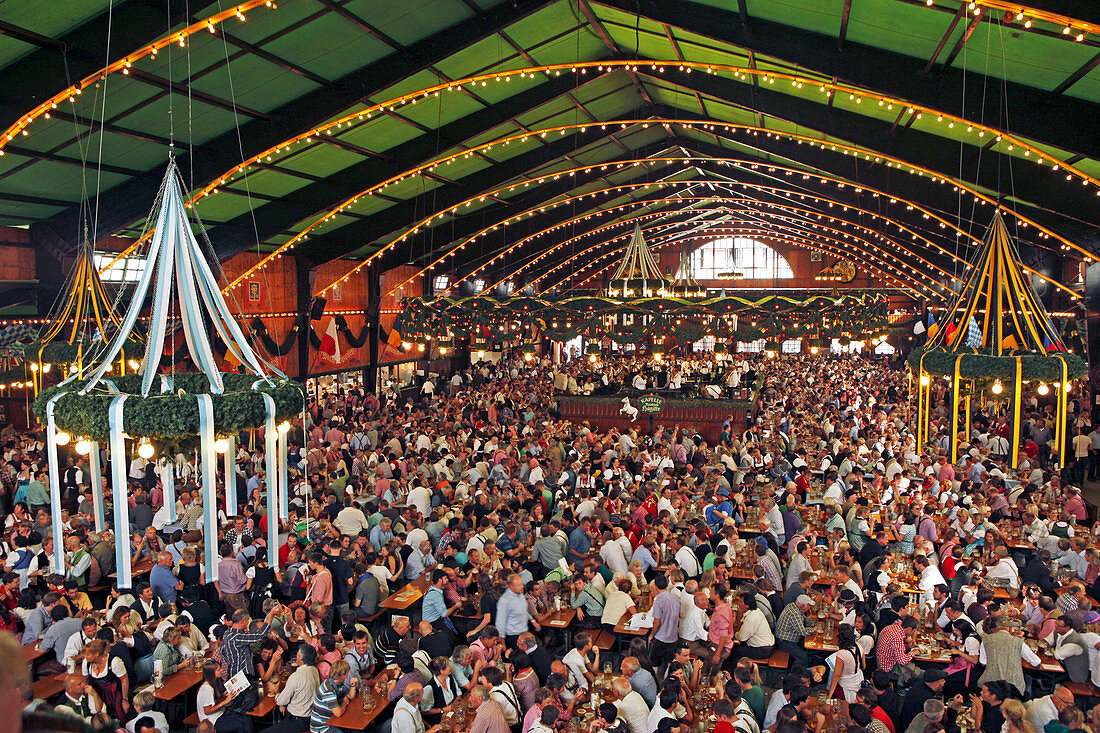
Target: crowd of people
column 805, row 523
column 695, row 374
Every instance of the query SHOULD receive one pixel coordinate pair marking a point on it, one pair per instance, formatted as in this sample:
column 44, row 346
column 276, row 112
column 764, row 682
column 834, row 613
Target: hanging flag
column 1010, row 342
column 1049, row 345
column 973, row 333
column 394, row 339
column 951, row 329
column 919, row 328
column 932, row 326
column 330, row 343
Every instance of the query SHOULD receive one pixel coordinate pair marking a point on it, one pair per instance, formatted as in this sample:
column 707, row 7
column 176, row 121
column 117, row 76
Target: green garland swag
column 13, row 375
column 1034, row 365
column 171, row 421
column 62, row 352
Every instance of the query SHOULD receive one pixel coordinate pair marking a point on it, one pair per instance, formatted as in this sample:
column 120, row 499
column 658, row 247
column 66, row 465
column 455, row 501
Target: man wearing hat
column 929, row 686
column 792, row 627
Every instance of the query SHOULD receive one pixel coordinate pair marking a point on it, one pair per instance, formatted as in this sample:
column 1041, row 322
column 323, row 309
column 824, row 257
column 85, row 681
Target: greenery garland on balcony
column 171, row 420
column 1034, row 364
column 631, row 320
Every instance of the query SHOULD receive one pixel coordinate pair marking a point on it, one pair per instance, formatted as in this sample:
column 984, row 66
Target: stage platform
column 705, row 416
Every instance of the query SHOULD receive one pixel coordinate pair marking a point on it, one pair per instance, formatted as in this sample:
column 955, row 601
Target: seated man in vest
column 1070, row 648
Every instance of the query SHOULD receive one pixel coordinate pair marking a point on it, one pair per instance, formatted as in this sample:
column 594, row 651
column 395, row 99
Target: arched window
column 731, row 258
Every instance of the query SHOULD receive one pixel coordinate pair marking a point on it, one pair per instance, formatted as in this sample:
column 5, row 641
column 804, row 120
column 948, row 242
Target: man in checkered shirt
column 791, row 629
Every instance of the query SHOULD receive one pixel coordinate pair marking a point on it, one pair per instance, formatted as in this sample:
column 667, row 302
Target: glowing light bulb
column 1043, row 388
column 46, row 368
column 1068, row 387
column 221, row 445
column 34, row 366
column 73, row 369
column 925, row 380
column 134, row 363
column 997, row 387
column 145, row 449
column 62, row 438
column 814, row 350
column 83, row 447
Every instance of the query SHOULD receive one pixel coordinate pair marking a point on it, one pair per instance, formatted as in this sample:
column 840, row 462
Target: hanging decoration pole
column 230, row 477
column 168, row 481
column 1017, row 396
column 55, row 489
column 966, row 406
column 118, row 488
column 209, row 496
column 1063, row 432
column 271, row 449
column 97, row 486
column 284, row 479
column 955, row 412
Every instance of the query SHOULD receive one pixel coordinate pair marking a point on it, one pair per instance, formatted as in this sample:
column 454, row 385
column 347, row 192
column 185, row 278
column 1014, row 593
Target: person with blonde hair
column 333, row 697
column 1016, row 717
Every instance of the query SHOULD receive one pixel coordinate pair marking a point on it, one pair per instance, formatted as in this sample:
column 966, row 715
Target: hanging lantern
column 145, row 449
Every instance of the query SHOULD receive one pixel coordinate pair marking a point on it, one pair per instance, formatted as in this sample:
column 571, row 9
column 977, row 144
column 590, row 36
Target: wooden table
column 930, row 650
column 356, row 717
column 32, row 652
column 141, row 567
column 621, row 627
column 558, row 619
column 403, row 599
column 264, row 707
column 179, row 683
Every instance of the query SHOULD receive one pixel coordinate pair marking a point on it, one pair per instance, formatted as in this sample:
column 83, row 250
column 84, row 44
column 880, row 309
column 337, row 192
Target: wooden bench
column 777, row 664
column 779, row 660
column 191, row 721
column 48, row 687
column 605, row 641
column 367, row 620
column 1081, row 689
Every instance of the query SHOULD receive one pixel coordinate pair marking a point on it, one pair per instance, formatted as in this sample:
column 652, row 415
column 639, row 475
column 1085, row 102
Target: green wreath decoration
column 171, row 421
column 1034, row 364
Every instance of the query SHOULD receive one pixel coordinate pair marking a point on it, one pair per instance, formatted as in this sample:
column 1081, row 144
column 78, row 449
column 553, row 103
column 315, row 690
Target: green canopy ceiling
column 884, row 131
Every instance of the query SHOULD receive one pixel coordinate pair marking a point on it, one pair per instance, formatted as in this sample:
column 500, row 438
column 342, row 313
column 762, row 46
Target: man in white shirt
column 614, row 556
column 930, row 577
column 1005, row 568
column 1075, row 558
column 754, row 639
column 421, row 498
column 351, row 521
column 686, row 558
column 406, row 713
column 1043, row 710
column 577, row 661
column 631, row 705
column 693, row 622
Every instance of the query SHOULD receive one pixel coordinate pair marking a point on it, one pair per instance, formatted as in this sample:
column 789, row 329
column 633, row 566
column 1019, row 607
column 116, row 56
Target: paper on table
column 237, row 684
column 640, row 621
